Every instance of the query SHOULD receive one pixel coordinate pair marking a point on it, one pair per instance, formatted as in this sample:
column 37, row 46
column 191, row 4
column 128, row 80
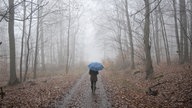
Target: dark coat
column 93, row 75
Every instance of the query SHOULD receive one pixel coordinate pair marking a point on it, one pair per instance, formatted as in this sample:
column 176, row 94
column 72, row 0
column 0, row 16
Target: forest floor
column 127, row 89
column 116, row 89
column 38, row 93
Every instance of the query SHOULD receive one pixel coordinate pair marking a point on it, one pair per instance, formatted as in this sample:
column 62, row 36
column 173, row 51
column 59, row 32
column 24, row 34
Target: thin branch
column 7, row 19
column 145, row 7
column 185, row 34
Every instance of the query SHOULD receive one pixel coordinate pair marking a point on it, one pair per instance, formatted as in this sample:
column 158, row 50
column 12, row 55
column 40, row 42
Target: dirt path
column 80, row 96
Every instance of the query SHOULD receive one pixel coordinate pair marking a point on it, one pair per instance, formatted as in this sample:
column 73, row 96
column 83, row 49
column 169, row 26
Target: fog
column 92, row 44
column 95, row 53
column 88, row 30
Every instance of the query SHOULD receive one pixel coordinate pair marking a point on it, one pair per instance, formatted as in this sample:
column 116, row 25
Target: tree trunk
column 74, row 48
column 164, row 33
column 183, row 32
column 22, row 40
column 126, row 43
column 191, row 32
column 52, row 49
column 130, row 36
column 158, row 55
column 28, row 47
column 58, row 51
column 13, row 77
column 148, row 65
column 37, row 43
column 120, row 43
column 154, row 38
column 68, row 38
column 42, row 39
column 184, row 22
column 119, row 33
column 62, row 57
column 176, row 31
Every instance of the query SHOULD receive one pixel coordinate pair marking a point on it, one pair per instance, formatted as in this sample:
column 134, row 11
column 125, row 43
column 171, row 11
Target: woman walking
column 93, row 77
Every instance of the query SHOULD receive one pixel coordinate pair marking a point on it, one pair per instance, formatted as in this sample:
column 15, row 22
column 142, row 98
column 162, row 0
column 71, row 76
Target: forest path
column 80, row 95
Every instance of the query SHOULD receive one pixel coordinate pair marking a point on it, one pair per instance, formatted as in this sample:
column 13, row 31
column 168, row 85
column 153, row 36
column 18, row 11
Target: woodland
column 144, row 45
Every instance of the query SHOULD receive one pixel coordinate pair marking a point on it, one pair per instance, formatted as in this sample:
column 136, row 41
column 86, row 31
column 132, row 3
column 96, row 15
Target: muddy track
column 80, row 95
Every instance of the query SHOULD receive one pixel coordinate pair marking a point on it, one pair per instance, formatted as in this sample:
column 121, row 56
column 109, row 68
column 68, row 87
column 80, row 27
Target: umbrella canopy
column 95, row 66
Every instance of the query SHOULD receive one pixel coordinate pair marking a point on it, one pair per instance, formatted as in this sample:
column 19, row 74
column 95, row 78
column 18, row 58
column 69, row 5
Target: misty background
column 43, row 35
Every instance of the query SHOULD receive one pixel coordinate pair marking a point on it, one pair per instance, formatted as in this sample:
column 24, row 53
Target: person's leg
column 92, row 86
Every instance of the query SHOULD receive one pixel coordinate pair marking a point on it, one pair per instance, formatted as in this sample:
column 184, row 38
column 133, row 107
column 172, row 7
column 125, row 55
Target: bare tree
column 36, row 42
column 183, row 32
column 176, row 30
column 22, row 39
column 191, row 31
column 164, row 34
column 42, row 40
column 118, row 22
column 155, row 36
column 130, row 35
column 148, row 65
column 68, row 37
column 61, row 41
column 28, row 46
column 13, row 77
column 156, row 40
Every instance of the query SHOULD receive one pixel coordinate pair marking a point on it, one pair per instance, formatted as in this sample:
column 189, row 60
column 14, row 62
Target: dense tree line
column 148, row 31
column 42, row 35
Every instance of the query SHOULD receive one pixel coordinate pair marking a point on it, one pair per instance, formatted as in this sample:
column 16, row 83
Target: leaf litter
column 127, row 89
column 38, row 93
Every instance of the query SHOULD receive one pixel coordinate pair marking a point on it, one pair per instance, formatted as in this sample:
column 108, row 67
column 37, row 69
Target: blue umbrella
column 95, row 66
